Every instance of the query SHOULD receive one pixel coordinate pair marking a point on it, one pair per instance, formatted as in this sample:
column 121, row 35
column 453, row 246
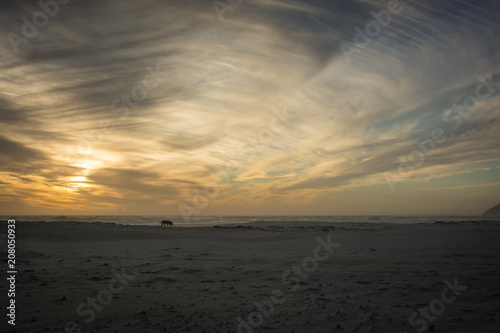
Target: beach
column 257, row 277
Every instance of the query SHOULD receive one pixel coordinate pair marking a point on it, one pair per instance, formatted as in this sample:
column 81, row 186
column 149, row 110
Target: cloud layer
column 136, row 107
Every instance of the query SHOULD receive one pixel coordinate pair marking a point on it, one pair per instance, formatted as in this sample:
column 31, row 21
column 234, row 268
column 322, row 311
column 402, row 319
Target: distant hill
column 495, row 211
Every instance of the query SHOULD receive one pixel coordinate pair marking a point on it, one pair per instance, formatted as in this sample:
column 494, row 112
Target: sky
column 250, row 107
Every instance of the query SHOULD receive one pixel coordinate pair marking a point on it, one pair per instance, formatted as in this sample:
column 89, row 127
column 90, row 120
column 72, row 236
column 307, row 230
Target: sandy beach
column 259, row 277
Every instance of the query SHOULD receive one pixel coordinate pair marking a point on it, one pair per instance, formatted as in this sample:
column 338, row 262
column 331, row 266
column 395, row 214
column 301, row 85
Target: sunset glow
column 273, row 110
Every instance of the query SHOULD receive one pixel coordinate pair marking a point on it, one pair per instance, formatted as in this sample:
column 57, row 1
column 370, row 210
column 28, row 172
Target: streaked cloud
column 119, row 105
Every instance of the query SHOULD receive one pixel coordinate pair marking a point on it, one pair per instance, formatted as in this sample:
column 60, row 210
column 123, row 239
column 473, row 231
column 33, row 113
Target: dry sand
column 204, row 279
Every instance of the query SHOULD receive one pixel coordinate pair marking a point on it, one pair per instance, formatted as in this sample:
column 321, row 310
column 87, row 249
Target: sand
column 261, row 277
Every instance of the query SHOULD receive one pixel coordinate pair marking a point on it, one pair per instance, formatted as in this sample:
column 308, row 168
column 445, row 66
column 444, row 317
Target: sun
column 80, row 181
column 87, row 165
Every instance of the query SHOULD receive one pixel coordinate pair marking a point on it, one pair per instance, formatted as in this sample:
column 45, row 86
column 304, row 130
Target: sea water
column 207, row 221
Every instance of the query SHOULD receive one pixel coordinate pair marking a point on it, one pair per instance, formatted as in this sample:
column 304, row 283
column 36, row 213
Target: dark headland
column 494, row 211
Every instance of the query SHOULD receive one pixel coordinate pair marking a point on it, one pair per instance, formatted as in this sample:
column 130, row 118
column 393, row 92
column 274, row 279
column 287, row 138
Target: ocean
column 208, row 221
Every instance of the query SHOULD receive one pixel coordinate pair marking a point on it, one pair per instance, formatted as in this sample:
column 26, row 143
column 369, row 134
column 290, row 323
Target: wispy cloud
column 218, row 83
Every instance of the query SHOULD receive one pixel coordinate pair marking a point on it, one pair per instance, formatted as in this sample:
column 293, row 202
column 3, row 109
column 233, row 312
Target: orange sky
column 165, row 107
